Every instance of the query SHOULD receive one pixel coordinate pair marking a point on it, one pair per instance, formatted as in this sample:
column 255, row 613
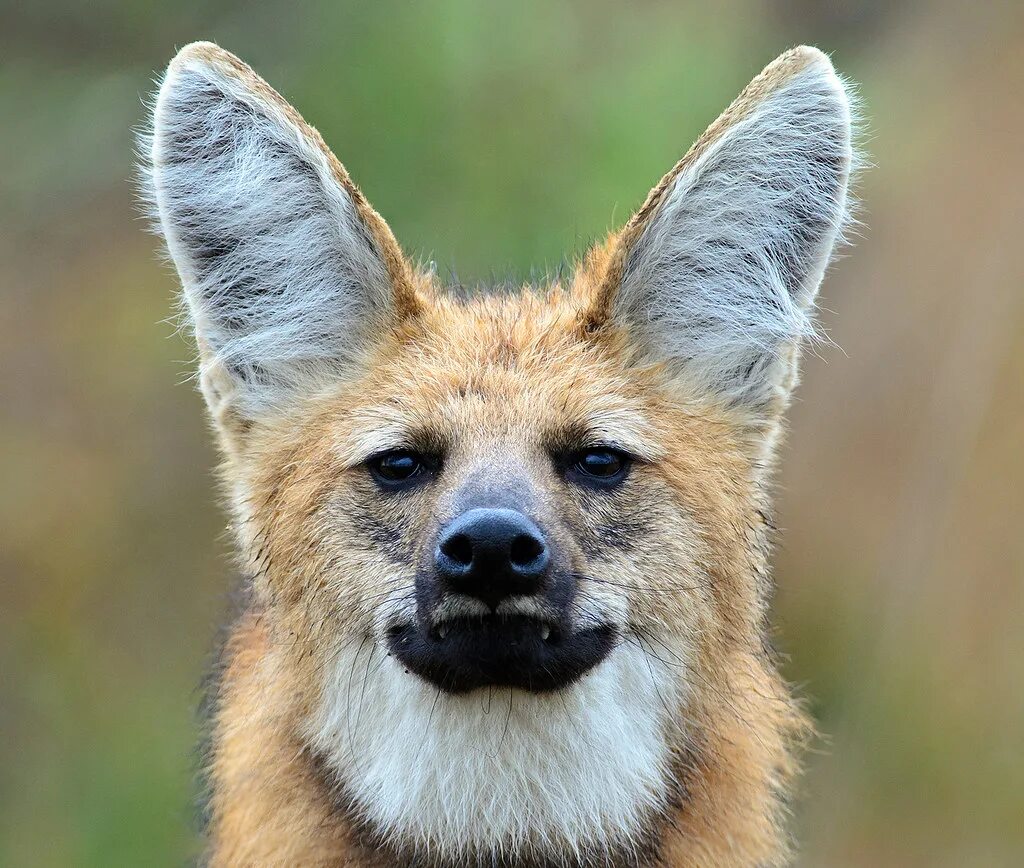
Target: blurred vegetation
column 497, row 140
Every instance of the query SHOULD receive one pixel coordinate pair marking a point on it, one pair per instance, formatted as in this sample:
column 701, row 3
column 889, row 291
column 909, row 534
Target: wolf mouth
column 500, row 651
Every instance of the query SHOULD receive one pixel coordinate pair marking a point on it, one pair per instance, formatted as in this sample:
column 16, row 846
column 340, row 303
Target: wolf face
column 507, row 552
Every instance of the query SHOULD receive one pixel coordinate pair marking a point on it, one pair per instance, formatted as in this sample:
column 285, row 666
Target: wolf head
column 511, row 548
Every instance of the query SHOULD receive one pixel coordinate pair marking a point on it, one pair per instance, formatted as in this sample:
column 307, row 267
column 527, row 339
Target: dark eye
column 398, row 467
column 599, row 466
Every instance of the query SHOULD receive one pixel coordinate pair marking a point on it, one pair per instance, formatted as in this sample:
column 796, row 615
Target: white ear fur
column 724, row 261
column 282, row 278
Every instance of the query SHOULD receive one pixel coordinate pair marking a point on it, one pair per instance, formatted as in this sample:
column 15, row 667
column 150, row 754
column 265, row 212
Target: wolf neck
column 276, row 800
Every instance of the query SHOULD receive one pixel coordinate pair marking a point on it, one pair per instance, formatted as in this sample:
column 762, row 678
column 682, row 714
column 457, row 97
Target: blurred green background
column 496, row 138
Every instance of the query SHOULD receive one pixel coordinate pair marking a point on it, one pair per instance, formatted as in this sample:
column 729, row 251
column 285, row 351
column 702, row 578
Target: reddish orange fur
column 499, row 370
column 268, row 804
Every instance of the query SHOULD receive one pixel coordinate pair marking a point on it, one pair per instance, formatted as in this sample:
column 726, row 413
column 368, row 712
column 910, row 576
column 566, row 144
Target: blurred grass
column 498, row 143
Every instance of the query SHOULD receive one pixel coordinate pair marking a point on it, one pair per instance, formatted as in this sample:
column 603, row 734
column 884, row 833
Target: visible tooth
column 545, row 631
column 442, row 631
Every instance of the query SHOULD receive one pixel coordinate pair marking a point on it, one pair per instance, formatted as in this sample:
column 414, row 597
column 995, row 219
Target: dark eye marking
column 597, row 466
column 399, row 469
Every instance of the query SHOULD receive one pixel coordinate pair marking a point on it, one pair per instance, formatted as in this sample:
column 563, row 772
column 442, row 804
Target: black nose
column 492, row 554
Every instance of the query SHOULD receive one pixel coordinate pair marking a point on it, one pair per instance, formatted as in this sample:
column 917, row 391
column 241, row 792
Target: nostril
column 526, row 551
column 459, row 549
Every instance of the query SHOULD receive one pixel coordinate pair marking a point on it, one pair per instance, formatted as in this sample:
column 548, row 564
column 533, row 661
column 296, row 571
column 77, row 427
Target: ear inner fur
column 397, row 266
column 770, row 79
column 290, row 277
column 715, row 275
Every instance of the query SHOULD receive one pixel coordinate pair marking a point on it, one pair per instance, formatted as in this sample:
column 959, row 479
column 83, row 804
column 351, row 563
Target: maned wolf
column 507, row 553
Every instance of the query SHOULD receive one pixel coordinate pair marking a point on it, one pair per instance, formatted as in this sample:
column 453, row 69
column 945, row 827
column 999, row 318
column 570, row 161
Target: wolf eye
column 599, row 466
column 397, row 467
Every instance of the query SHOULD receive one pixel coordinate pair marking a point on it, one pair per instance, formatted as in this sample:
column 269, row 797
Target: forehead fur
column 510, row 367
column 518, row 369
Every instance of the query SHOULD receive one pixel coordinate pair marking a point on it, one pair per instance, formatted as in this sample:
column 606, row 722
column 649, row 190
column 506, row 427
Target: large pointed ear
column 716, row 274
column 289, row 276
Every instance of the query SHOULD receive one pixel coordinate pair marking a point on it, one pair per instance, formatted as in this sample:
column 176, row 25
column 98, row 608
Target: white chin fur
column 499, row 770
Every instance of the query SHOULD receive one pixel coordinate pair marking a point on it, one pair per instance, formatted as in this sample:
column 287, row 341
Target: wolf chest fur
column 506, row 554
